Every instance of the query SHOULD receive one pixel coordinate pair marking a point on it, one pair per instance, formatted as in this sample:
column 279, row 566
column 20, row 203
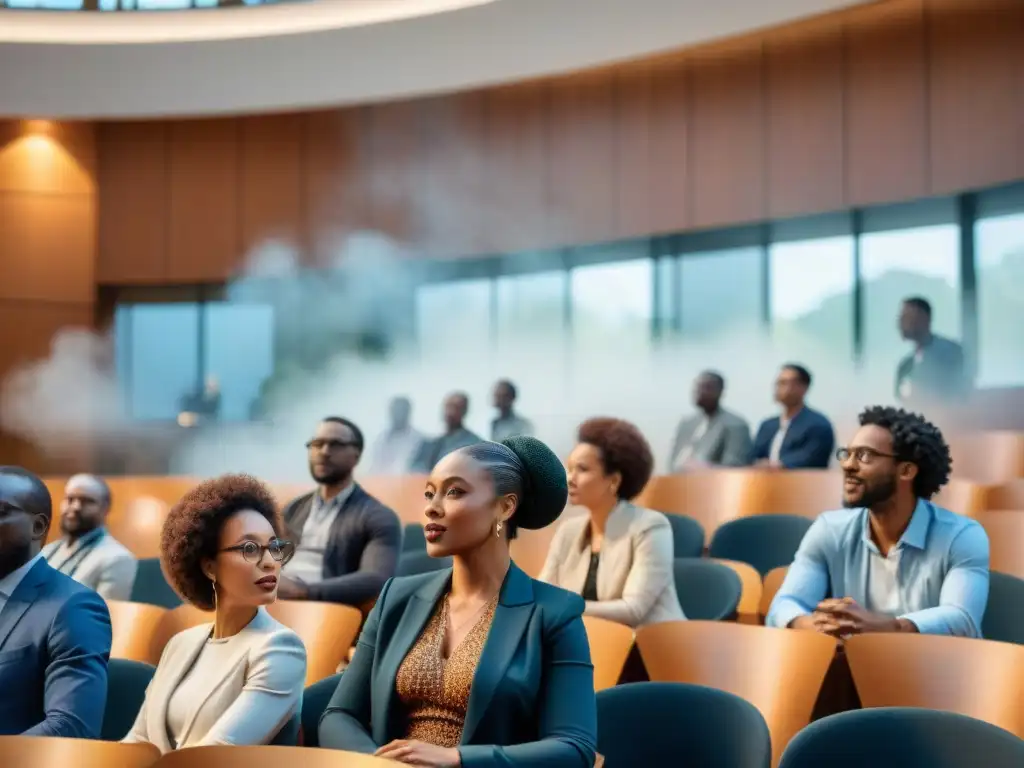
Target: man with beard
column 346, row 542
column 891, row 561
column 54, row 633
column 87, row 552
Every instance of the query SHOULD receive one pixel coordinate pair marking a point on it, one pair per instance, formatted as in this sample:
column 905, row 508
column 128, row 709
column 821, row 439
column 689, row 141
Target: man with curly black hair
column 891, row 561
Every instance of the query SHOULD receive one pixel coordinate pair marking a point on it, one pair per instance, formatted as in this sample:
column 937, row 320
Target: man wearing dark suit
column 800, row 438
column 346, row 542
column 54, row 632
column 934, row 371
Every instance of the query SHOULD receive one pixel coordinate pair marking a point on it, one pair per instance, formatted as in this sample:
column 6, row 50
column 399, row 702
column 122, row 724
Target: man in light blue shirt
column 891, row 561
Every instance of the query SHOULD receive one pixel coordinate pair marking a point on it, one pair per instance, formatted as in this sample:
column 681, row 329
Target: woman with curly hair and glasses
column 238, row 680
column 619, row 557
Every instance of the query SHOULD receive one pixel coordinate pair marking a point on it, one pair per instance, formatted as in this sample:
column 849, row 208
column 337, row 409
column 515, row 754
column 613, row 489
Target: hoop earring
column 213, row 582
column 497, row 529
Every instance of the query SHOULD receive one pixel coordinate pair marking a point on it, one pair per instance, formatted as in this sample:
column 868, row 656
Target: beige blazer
column 252, row 699
column 635, row 579
column 108, row 567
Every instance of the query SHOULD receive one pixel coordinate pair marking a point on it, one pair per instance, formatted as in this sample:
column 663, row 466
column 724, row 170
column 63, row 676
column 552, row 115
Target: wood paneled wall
column 48, row 217
column 899, row 100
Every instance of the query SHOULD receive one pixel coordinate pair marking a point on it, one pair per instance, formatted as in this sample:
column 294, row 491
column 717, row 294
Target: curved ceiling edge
column 482, row 45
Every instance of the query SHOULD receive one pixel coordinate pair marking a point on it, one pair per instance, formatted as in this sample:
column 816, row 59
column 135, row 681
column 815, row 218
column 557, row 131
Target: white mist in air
column 67, row 399
column 613, row 371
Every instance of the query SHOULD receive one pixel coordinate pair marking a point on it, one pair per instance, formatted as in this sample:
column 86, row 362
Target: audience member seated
column 87, row 552
column 800, row 438
column 54, row 633
column 347, row 542
column 619, row 557
column 238, row 680
column 891, row 561
column 712, row 436
column 478, row 665
column 394, row 451
column 456, row 436
column 934, row 371
column 508, row 423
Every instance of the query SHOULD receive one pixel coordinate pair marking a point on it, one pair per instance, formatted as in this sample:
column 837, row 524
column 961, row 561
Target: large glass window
column 999, row 261
column 612, row 304
column 239, row 354
column 530, row 307
column 922, row 261
column 457, row 312
column 811, row 298
column 720, row 291
column 162, row 357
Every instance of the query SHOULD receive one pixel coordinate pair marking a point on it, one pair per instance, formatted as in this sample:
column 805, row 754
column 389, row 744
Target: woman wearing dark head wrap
column 478, row 665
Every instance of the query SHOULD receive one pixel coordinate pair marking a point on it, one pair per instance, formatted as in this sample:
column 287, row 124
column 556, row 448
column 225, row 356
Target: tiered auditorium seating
column 779, row 672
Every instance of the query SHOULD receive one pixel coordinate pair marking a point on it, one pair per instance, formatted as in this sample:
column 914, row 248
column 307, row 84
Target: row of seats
column 712, row 498
column 638, row 724
column 140, row 631
column 708, row 589
column 779, row 672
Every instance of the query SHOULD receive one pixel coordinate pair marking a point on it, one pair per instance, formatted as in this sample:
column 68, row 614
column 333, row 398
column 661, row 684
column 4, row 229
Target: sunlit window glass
column 999, row 260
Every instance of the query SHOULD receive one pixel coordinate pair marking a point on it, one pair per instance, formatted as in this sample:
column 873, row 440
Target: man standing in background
column 87, row 552
column 456, row 436
column 346, row 542
column 713, row 436
column 508, row 423
column 394, row 451
column 934, row 371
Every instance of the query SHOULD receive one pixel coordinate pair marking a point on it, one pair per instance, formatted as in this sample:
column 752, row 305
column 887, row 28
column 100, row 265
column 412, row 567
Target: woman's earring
column 497, row 529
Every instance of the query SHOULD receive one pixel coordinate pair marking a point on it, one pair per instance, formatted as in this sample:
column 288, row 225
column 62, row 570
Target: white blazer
column 635, row 578
column 246, row 705
column 107, row 567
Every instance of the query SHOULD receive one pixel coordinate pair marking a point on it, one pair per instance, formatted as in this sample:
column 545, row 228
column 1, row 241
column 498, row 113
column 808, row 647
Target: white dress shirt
column 10, row 582
column 775, row 452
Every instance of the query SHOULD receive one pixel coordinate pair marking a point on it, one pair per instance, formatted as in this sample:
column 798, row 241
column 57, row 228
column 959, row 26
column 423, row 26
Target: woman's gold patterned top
column 435, row 690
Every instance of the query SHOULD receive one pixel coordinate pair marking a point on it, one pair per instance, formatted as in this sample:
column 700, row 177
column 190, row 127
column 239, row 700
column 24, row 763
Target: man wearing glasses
column 891, row 561
column 54, row 632
column 347, row 542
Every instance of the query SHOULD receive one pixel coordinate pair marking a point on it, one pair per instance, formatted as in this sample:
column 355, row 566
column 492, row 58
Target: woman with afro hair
column 619, row 557
column 239, row 679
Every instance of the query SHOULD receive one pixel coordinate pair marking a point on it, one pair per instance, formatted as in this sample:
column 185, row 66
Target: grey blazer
column 362, row 555
column 104, row 565
column 635, row 579
column 726, row 441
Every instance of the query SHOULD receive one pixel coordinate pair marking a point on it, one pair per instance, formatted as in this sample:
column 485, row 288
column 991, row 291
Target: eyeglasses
column 862, row 455
column 279, row 549
column 331, row 445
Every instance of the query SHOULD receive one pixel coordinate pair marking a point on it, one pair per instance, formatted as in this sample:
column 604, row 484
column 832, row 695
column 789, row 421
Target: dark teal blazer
column 532, row 702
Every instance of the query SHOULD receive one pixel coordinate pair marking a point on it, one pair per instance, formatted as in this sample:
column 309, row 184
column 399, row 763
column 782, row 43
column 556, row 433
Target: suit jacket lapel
column 179, row 667
column 609, row 568
column 410, row 626
column 298, row 518
column 24, row 595
column 511, row 617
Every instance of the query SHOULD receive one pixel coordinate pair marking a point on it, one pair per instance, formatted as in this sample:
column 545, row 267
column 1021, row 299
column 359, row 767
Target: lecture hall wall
column 892, row 101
